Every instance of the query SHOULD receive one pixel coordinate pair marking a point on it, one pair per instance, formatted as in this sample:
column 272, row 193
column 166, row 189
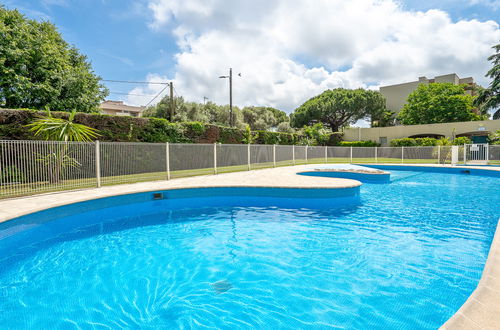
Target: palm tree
column 65, row 130
column 489, row 98
column 58, row 129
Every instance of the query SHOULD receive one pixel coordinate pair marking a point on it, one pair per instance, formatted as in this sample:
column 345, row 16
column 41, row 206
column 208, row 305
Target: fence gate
column 476, row 153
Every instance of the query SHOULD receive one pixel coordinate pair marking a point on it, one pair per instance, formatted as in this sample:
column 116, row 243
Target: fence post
column 293, row 154
column 274, row 155
column 402, row 155
column 439, row 154
column 97, row 164
column 376, row 154
column 487, row 156
column 167, row 159
column 326, row 154
column 306, row 152
column 248, row 156
column 465, row 154
column 215, row 158
column 351, row 156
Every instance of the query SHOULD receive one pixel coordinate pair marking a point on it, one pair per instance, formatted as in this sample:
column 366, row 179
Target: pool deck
column 480, row 311
column 279, row 177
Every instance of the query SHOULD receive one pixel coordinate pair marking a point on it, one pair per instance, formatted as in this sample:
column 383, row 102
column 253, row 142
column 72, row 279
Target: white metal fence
column 29, row 167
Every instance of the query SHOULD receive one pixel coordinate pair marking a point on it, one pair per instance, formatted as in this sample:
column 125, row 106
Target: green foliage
column 316, row 134
column 337, row 108
column 57, row 129
column 414, row 142
column 267, row 137
column 263, row 118
column 494, row 138
column 248, row 136
column 160, row 130
column 284, row 127
column 427, row 142
column 14, row 125
column 258, row 118
column 230, row 135
column 489, row 98
column 38, row 69
column 444, row 142
column 461, row 141
column 438, row 103
column 384, row 119
column 358, row 144
column 11, row 174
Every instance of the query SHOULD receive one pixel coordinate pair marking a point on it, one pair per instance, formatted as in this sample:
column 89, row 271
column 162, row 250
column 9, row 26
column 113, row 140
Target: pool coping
column 480, row 311
column 279, row 177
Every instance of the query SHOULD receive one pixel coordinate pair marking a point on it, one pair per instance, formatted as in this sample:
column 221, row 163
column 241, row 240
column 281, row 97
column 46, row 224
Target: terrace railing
column 30, row 167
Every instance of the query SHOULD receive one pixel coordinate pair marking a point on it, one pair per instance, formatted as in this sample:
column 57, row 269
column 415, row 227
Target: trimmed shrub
column 461, row 141
column 358, row 144
column 129, row 129
column 414, row 142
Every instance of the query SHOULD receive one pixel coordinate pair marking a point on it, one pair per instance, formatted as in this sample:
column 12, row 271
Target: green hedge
column 358, row 144
column 424, row 142
column 414, row 142
column 130, row 129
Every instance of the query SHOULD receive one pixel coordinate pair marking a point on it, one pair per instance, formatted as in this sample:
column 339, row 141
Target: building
column 477, row 131
column 118, row 108
column 396, row 95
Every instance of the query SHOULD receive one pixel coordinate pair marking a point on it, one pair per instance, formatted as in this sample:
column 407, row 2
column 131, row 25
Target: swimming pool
column 405, row 254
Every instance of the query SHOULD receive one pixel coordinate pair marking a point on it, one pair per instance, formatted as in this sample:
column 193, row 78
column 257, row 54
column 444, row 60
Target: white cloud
column 289, row 51
column 493, row 4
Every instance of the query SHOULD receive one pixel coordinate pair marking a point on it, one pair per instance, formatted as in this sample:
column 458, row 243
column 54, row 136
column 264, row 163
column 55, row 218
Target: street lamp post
column 231, row 122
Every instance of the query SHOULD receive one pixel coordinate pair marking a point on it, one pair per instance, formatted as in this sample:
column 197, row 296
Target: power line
column 122, row 93
column 157, row 95
column 136, row 82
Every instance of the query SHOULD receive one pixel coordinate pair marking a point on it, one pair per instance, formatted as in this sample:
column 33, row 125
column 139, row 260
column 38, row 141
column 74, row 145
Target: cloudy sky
column 286, row 50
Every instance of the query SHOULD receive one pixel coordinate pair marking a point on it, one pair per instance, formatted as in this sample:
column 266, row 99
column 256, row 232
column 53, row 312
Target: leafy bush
column 316, row 134
column 494, row 137
column 414, row 142
column 160, row 130
column 461, row 141
column 266, row 137
column 11, row 174
column 358, row 144
column 423, row 142
column 129, row 129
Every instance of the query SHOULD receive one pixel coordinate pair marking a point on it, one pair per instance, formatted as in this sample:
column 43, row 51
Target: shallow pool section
column 406, row 254
column 359, row 176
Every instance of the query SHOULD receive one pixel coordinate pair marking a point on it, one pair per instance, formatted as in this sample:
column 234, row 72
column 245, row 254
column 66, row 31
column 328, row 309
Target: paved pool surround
column 480, row 311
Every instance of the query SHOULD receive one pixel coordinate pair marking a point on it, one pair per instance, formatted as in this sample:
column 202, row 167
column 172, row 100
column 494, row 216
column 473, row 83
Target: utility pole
column 172, row 102
column 231, row 121
column 231, row 97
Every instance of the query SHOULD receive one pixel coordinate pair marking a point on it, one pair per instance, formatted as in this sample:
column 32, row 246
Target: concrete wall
column 449, row 130
column 396, row 95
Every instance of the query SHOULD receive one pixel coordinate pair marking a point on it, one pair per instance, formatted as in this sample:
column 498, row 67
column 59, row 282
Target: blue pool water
column 406, row 256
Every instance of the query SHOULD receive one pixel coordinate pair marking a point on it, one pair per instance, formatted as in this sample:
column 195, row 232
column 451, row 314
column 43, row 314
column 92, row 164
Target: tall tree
column 258, row 118
column 489, row 98
column 438, row 103
column 38, row 69
column 337, row 108
column 263, row 118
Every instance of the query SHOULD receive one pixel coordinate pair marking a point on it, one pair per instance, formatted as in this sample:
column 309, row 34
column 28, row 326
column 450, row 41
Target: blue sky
column 286, row 54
